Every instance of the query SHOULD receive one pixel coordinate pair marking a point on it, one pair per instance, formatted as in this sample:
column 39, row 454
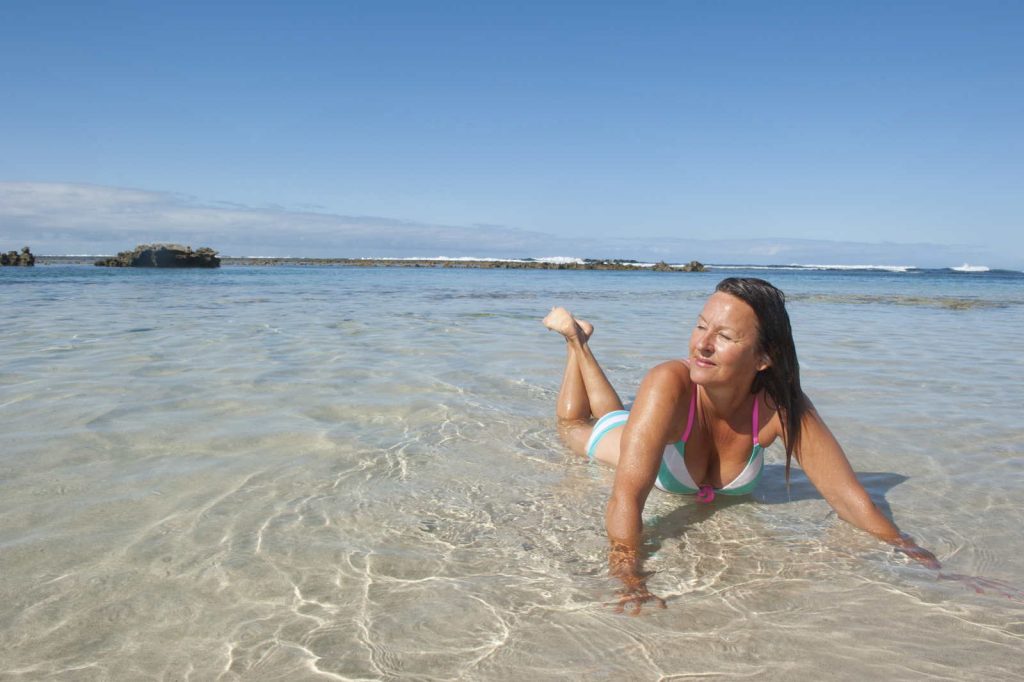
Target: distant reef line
column 511, row 264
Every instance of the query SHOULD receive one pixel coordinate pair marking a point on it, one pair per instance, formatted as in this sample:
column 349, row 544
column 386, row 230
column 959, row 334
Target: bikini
column 673, row 477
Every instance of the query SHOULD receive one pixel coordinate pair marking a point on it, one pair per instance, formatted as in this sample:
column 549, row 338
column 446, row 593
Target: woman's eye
column 726, row 337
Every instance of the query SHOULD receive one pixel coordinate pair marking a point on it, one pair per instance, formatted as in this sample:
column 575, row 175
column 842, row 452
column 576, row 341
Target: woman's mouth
column 701, row 362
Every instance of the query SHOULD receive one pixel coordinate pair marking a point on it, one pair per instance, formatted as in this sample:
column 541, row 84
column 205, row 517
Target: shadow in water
column 771, row 490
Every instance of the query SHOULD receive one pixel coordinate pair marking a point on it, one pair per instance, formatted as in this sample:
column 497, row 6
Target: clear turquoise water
column 296, row 473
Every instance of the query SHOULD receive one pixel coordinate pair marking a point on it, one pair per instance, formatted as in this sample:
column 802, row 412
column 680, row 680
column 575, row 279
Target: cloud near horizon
column 68, row 218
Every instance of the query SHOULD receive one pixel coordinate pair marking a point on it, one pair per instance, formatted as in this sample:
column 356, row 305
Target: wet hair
column 780, row 381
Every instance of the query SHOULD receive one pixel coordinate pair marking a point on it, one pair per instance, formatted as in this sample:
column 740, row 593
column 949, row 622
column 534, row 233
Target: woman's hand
column 624, row 564
column 907, row 546
column 637, row 595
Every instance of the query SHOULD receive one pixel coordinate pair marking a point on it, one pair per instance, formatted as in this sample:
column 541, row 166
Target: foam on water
column 838, row 267
column 474, row 259
column 970, row 268
column 354, row 473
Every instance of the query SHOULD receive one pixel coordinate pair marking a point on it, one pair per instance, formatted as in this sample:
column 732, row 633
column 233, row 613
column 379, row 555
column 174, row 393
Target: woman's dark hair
column 781, row 380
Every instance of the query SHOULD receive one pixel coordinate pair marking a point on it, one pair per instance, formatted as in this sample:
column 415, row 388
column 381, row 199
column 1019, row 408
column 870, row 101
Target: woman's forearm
column 625, row 560
column 861, row 512
column 855, row 506
column 624, row 523
column 864, row 514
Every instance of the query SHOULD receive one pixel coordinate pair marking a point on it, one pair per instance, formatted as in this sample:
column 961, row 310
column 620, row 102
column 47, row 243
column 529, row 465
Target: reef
column 524, row 264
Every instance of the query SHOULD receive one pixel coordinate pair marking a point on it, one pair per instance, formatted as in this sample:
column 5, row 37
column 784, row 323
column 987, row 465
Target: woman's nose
column 704, row 343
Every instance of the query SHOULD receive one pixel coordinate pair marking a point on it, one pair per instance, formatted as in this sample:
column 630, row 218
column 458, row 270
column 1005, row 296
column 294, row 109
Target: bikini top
column 674, row 477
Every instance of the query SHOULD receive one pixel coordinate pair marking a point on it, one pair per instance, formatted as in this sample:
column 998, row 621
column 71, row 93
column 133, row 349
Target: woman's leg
column 585, row 393
column 603, row 398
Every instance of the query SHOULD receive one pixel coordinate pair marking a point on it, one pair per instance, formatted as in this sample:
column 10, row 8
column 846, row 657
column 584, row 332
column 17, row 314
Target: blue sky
column 724, row 131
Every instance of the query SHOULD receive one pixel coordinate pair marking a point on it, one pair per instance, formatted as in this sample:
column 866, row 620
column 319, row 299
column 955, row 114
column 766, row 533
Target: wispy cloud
column 61, row 218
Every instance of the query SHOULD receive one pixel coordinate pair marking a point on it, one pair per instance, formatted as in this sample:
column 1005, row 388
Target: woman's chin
column 701, row 375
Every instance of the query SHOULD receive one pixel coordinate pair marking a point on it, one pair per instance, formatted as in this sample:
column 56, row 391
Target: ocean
column 354, row 473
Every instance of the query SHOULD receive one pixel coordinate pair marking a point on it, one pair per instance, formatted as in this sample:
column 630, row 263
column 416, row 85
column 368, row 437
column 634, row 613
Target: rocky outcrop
column 163, row 256
column 25, row 258
column 692, row 266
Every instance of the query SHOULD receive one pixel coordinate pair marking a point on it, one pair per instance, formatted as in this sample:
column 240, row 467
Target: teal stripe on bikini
column 670, row 483
column 749, row 487
column 602, row 427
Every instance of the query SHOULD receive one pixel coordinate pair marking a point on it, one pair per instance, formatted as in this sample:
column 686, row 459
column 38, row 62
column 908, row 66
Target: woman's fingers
column 921, row 555
column 637, row 599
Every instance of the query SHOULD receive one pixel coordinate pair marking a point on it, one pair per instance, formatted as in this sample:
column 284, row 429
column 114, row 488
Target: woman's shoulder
column 664, row 397
column 669, row 374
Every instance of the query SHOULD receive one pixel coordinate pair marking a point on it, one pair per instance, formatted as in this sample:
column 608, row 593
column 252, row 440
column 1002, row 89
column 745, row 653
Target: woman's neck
column 724, row 402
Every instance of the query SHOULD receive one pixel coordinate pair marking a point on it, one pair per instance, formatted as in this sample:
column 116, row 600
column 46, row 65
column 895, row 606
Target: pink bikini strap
column 693, row 409
column 757, row 421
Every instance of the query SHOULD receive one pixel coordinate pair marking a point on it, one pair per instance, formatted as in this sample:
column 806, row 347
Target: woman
column 700, row 425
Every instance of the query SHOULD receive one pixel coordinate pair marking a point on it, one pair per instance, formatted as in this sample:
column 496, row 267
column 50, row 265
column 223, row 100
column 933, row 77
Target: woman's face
column 723, row 345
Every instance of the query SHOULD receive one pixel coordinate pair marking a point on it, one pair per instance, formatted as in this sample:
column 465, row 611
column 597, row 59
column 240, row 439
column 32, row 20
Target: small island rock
column 24, row 259
column 163, row 256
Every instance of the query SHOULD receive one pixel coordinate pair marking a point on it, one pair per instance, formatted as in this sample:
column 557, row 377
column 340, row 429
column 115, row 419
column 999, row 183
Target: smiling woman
column 700, row 424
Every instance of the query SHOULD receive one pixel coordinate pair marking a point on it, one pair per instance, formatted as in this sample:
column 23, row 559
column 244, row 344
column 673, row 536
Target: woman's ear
column 765, row 363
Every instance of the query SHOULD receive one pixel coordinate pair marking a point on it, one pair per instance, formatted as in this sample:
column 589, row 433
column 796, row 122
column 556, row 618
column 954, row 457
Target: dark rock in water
column 163, row 256
column 692, row 266
column 25, row 258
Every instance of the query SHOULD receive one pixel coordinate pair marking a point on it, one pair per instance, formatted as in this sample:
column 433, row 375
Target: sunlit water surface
column 302, row 473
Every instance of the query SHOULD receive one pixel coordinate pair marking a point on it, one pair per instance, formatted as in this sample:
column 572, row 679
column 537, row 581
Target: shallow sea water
column 342, row 473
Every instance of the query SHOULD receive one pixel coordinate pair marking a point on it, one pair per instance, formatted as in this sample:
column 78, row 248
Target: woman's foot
column 562, row 321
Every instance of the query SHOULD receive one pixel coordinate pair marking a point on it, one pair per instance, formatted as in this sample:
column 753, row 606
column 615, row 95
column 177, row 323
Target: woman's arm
column 650, row 425
column 823, row 460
